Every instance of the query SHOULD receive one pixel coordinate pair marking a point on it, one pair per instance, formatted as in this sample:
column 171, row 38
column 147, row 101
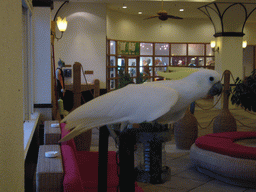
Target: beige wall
column 11, row 98
column 90, row 24
column 134, row 28
column 250, row 33
column 84, row 40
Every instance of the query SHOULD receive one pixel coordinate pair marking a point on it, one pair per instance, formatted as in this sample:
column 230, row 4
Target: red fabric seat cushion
column 64, row 132
column 72, row 179
column 234, row 135
column 88, row 167
column 81, row 168
column 223, row 143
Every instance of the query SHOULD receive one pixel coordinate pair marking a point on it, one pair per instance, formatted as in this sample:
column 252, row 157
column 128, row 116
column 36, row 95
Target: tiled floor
column 183, row 176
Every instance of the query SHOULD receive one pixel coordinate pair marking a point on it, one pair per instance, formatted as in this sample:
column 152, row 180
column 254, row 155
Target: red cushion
column 88, row 166
column 72, row 179
column 234, row 135
column 223, row 143
column 64, row 132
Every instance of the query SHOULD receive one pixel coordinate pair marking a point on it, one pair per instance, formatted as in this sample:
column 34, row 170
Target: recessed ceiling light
column 124, row 6
column 140, row 13
column 181, row 9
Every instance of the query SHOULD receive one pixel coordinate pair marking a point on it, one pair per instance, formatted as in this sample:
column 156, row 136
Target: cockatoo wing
column 132, row 104
column 177, row 72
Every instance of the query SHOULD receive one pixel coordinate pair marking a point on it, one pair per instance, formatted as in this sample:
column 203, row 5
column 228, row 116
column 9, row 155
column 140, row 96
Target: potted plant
column 244, row 93
column 125, row 79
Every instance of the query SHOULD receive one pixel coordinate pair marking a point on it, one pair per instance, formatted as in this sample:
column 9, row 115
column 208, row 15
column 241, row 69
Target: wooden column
column 77, row 84
column 96, row 88
column 82, row 141
column 55, row 113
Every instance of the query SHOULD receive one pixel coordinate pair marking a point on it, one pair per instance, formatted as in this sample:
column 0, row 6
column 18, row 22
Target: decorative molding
column 43, row 105
column 228, row 18
column 229, row 34
column 42, row 3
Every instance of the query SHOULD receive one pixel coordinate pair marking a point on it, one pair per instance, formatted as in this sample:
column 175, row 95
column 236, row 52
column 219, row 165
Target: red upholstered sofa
column 81, row 168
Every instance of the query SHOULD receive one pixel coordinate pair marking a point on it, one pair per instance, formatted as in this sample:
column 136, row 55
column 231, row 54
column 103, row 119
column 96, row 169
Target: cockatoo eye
column 211, row 78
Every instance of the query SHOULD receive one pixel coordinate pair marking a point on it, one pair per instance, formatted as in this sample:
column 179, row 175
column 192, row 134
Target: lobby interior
column 92, row 25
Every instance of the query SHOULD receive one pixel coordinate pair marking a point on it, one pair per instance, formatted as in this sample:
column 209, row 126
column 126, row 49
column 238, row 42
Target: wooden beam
column 77, row 84
column 88, row 72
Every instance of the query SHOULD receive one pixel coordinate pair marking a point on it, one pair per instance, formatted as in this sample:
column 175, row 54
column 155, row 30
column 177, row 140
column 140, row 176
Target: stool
column 49, row 171
column 51, row 134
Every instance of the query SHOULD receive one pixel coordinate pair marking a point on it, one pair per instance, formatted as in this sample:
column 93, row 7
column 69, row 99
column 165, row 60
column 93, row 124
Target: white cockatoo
column 160, row 101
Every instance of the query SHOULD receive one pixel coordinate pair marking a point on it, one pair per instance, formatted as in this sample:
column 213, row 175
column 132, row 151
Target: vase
column 186, row 131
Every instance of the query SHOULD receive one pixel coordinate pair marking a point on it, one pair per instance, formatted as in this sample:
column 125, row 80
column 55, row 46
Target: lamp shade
column 244, row 44
column 213, row 44
column 228, row 19
column 62, row 24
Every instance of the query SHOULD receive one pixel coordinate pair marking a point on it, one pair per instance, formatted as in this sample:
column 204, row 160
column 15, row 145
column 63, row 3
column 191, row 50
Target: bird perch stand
column 225, row 121
column 186, row 131
column 150, row 156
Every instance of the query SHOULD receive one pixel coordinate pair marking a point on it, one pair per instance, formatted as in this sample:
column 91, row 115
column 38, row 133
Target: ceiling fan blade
column 173, row 17
column 151, row 17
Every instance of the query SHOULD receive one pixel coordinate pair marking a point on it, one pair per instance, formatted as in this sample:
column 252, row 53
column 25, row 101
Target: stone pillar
column 228, row 20
column 230, row 56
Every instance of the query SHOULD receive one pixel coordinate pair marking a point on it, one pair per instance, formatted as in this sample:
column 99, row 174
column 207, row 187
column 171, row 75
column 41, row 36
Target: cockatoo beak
column 216, row 89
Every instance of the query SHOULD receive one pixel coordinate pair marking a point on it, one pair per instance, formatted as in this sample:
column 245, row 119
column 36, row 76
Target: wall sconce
column 244, row 44
column 213, row 46
column 61, row 23
column 62, row 26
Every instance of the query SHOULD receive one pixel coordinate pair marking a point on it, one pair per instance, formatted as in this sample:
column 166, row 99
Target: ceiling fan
column 162, row 14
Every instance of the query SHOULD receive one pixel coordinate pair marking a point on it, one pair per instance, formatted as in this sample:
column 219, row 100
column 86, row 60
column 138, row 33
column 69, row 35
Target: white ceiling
column 151, row 7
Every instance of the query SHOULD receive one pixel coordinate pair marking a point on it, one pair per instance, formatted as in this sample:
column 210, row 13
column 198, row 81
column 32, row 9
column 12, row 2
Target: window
column 26, row 61
column 154, row 57
column 146, row 49
column 161, row 49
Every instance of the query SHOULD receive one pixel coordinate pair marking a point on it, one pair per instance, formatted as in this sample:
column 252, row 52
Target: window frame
column 28, row 107
column 154, row 66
